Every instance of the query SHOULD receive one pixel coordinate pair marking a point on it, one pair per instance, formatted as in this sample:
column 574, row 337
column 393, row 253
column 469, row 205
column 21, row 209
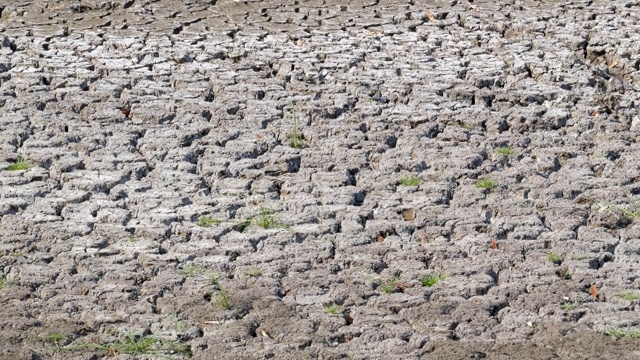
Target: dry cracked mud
column 374, row 179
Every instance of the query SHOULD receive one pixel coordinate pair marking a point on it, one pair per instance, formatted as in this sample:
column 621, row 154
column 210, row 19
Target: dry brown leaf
column 593, row 290
column 494, row 244
column 371, row 32
column 403, row 285
column 431, row 16
column 408, row 215
column 380, row 238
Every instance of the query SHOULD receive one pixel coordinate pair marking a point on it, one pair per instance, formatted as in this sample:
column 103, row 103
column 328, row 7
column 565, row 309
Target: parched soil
column 375, row 179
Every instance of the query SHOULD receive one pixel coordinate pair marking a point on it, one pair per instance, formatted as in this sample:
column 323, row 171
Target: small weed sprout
column 223, row 296
column 20, row 164
column 631, row 213
column 569, row 306
column 268, row 220
column 17, row 252
column 296, row 136
column 135, row 344
column 555, row 258
column 504, row 150
column 332, row 309
column 223, row 299
column 629, row 295
column 132, row 239
column 430, row 280
column 389, row 286
column 191, row 271
column 486, row 184
column 57, row 339
column 206, row 221
column 410, row 181
column 253, row 272
column 129, row 343
column 618, row 334
column 178, row 324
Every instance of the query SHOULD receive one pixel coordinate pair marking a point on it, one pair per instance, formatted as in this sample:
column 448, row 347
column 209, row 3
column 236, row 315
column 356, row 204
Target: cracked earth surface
column 380, row 179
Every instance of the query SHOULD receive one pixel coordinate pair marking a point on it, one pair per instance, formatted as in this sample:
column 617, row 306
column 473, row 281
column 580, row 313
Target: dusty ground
column 319, row 179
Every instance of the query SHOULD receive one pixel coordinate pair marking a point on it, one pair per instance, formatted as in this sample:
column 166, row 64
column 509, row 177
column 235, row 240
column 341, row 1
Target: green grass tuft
column 569, row 306
column 296, row 136
column 53, row 337
column 555, row 258
column 410, row 181
column 191, row 271
column 135, row 344
column 631, row 213
column 252, row 272
column 618, row 334
column 629, row 295
column 389, row 286
column 205, row 221
column 504, row 150
column 223, row 298
column 332, row 308
column 20, row 164
column 430, row 280
column 129, row 344
column 268, row 220
column 486, row 184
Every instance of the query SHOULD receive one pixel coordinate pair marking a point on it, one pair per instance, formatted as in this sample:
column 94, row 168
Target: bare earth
column 319, row 179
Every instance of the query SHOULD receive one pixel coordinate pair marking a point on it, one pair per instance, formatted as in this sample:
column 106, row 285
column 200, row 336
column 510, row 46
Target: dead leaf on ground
column 371, row 32
column 408, row 215
column 403, row 285
column 431, row 16
column 593, row 290
column 494, row 244
column 614, row 63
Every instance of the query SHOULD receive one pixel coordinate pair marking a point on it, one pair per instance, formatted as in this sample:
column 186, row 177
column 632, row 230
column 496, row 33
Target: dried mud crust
column 319, row 179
